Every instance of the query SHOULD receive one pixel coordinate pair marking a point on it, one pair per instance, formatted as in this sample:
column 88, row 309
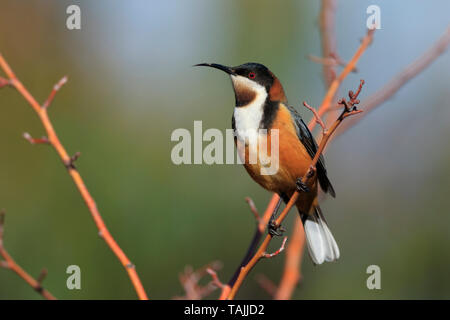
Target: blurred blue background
column 131, row 84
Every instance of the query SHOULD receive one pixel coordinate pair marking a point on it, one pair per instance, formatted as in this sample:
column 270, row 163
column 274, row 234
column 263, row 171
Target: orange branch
column 291, row 274
column 400, row 79
column 190, row 279
column 328, row 41
column 10, row 264
column 294, row 249
column 349, row 109
column 294, row 252
column 68, row 162
column 326, row 103
column 230, row 290
column 262, row 222
column 280, row 250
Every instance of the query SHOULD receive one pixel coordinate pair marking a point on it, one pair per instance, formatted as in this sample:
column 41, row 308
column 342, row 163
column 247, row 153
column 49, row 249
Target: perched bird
column 261, row 104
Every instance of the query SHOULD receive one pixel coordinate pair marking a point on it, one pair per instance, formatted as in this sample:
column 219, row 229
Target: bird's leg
column 271, row 226
column 301, row 187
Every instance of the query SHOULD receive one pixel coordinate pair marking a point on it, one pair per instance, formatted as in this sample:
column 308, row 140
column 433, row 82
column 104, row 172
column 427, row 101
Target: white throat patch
column 248, row 118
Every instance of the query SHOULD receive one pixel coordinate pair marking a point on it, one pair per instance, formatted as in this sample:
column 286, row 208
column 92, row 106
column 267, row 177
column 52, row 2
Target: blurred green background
column 131, row 84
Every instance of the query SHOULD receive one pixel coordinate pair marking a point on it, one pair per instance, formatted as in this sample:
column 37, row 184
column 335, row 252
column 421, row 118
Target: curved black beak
column 217, row 66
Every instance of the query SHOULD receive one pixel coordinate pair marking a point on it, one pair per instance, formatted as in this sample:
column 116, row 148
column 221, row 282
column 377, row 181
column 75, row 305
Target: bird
column 261, row 106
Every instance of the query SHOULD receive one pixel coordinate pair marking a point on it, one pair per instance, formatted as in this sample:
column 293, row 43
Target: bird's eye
column 252, row 75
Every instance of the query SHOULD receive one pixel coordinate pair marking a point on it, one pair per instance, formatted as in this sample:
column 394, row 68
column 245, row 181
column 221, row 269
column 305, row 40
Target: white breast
column 248, row 118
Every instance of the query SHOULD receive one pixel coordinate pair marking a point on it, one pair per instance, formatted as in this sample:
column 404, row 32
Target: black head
column 257, row 73
column 251, row 70
column 249, row 79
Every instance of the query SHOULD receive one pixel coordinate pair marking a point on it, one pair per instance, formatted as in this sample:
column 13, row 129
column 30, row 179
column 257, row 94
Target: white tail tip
column 321, row 244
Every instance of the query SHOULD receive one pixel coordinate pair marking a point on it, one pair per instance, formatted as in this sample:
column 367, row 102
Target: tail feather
column 321, row 244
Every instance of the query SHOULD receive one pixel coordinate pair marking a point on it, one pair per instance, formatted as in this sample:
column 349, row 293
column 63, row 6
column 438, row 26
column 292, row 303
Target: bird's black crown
column 255, row 72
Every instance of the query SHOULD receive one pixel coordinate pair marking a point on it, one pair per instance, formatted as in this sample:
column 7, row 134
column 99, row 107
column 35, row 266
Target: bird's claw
column 275, row 230
column 301, row 187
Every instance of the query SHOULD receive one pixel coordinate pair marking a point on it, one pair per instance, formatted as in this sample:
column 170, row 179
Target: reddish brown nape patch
column 276, row 92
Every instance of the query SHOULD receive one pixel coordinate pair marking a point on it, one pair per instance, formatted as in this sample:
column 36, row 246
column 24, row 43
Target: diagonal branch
column 55, row 89
column 327, row 101
column 68, row 161
column 293, row 257
column 348, row 110
column 10, row 264
column 316, row 116
column 326, row 104
column 294, row 252
column 262, row 222
column 399, row 80
column 291, row 273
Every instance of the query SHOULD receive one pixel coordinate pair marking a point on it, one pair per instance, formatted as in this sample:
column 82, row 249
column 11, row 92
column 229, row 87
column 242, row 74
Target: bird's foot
column 301, row 187
column 275, row 230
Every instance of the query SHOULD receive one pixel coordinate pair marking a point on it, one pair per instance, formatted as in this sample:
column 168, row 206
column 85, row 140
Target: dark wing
column 310, row 144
